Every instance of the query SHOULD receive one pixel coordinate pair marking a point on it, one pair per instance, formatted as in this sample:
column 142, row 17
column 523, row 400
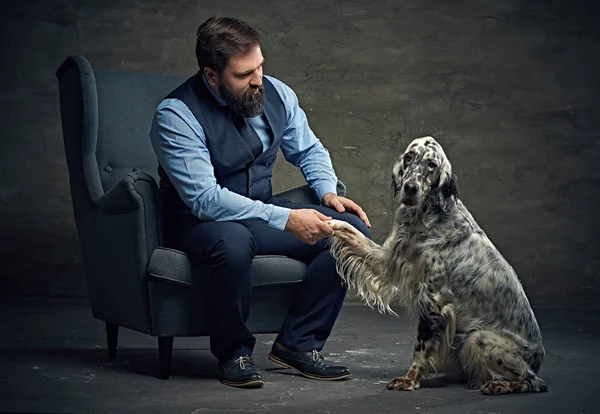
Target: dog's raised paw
column 337, row 224
column 402, row 384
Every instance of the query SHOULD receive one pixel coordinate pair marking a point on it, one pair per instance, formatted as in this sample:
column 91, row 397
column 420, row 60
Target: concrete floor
column 53, row 360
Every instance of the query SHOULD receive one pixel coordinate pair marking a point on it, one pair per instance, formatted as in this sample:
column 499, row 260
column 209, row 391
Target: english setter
column 472, row 311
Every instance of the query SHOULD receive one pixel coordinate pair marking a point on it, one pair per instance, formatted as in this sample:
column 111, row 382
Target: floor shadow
column 441, row 381
column 283, row 371
column 193, row 364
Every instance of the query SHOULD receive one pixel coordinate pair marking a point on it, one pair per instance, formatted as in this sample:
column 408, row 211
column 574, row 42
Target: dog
column 473, row 314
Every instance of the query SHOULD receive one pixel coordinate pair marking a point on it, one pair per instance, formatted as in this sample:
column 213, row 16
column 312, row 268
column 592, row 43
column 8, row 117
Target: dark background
column 509, row 88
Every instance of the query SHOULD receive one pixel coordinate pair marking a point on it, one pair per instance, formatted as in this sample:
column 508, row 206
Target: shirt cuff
column 279, row 217
column 323, row 188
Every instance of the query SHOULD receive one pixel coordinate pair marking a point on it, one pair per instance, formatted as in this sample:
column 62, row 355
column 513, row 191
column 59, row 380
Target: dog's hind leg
column 494, row 362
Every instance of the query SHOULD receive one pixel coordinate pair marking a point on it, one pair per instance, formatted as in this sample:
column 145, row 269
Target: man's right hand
column 308, row 225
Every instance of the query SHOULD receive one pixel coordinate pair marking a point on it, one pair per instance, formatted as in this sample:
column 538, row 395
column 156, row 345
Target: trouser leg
column 319, row 298
column 225, row 251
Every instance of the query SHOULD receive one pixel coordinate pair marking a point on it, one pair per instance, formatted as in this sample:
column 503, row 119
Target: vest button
column 108, row 168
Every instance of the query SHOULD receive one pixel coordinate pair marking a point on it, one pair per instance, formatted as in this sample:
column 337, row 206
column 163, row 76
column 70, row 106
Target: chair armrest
column 341, row 188
column 126, row 231
column 136, row 190
column 128, row 194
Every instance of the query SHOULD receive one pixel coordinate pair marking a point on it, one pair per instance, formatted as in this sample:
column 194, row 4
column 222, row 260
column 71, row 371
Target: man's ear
column 212, row 77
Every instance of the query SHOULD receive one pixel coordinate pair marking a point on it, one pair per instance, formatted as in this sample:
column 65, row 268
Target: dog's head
column 423, row 174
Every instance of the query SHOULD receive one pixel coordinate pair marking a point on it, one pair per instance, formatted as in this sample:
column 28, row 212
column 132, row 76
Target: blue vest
column 234, row 165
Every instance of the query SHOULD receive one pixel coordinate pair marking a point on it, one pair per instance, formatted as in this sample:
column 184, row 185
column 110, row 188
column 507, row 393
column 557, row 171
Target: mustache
column 259, row 89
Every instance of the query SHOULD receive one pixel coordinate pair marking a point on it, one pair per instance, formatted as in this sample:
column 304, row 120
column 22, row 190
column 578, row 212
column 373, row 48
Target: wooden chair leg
column 165, row 350
column 112, row 335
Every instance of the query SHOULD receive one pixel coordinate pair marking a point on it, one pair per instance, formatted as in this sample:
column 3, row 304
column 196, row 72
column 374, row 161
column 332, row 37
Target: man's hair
column 217, row 39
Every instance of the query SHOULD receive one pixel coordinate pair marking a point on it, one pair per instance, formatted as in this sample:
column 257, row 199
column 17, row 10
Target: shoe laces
column 241, row 361
column 316, row 355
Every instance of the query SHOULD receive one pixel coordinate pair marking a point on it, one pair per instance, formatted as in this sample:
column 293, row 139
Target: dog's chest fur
column 414, row 238
column 470, row 271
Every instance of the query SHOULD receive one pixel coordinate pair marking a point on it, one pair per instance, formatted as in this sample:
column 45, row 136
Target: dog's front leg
column 428, row 352
column 437, row 326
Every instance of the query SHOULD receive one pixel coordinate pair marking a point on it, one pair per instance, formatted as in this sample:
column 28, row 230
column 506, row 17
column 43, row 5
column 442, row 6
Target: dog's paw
column 497, row 388
column 338, row 224
column 346, row 233
column 403, row 384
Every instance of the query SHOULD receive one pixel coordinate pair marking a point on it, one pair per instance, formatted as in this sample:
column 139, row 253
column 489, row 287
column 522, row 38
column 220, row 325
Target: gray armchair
column 133, row 280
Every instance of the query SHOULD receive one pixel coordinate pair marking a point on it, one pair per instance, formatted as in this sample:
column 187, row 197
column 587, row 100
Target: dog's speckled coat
column 472, row 311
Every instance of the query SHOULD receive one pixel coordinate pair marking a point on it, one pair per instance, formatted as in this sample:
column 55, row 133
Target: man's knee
column 235, row 247
column 356, row 222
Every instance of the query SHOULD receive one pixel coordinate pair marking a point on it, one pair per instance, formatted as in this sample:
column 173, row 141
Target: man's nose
column 256, row 79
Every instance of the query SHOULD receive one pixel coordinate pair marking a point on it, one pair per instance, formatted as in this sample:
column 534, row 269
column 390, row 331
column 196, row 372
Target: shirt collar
column 220, row 100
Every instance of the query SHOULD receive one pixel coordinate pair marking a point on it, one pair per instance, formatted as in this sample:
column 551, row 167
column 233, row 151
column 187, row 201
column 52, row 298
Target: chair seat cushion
column 174, row 266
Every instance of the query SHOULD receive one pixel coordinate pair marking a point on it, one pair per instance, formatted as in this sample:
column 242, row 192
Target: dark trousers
column 227, row 250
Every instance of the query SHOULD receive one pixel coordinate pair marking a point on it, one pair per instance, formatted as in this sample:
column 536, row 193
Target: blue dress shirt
column 180, row 145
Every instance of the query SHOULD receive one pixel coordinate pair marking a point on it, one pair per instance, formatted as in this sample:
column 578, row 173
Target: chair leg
column 165, row 350
column 112, row 335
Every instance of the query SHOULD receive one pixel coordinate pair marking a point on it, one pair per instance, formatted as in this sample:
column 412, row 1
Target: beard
column 247, row 104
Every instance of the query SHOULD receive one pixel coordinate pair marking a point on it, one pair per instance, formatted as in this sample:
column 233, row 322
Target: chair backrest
column 126, row 105
column 113, row 120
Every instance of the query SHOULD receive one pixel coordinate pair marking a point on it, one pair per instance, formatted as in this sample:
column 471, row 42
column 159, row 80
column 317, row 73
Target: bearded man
column 216, row 138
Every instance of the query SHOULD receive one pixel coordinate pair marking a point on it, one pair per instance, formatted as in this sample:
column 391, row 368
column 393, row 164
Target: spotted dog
column 471, row 308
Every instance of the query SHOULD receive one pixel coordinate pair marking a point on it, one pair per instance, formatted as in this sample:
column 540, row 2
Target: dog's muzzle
column 411, row 193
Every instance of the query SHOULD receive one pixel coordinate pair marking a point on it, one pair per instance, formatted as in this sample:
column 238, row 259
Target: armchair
column 133, row 280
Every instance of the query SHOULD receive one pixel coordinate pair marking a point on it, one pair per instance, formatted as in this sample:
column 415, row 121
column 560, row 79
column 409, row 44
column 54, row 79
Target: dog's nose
column 411, row 188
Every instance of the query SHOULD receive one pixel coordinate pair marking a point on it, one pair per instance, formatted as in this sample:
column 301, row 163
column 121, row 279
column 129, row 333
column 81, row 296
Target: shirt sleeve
column 180, row 145
column 302, row 148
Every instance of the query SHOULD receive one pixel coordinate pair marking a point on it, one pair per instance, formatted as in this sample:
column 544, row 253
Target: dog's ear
column 450, row 187
column 394, row 186
column 447, row 187
column 397, row 173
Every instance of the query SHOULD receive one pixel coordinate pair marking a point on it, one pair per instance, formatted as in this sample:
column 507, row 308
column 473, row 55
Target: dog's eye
column 432, row 165
column 408, row 157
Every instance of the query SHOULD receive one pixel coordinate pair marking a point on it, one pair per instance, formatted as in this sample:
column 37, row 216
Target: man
column 216, row 138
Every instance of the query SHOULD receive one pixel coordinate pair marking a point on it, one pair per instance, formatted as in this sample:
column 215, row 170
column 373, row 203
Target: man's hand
column 308, row 225
column 342, row 204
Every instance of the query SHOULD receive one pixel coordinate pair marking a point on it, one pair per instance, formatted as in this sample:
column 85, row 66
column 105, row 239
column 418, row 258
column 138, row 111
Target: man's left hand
column 341, row 204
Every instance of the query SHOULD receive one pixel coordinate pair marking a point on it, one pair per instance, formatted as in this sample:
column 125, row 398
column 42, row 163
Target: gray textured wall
column 510, row 88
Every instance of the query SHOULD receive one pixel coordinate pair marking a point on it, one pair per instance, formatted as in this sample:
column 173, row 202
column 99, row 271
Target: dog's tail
column 447, row 312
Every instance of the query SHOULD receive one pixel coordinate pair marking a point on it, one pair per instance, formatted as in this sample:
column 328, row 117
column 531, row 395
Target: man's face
column 240, row 84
